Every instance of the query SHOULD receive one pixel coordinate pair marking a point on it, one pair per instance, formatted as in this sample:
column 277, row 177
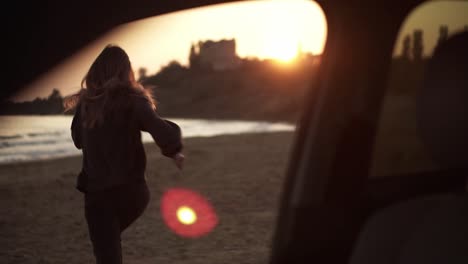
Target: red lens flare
column 187, row 213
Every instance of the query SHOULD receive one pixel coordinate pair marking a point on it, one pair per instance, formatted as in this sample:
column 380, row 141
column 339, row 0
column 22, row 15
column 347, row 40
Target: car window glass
column 398, row 148
column 233, row 76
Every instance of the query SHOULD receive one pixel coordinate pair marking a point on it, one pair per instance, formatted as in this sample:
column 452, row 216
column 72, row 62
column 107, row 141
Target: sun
column 284, row 50
column 281, row 39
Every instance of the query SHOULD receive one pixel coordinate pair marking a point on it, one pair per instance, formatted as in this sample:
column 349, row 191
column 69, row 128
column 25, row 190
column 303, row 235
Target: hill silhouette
column 258, row 90
column 255, row 90
column 52, row 105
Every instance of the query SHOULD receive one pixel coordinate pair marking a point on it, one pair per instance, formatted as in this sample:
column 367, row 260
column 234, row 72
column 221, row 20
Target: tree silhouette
column 194, row 60
column 417, row 45
column 55, row 95
column 52, row 105
column 172, row 66
column 405, row 52
column 54, row 102
column 142, row 74
column 443, row 34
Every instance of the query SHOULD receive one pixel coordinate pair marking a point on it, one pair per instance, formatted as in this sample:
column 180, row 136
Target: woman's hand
column 179, row 160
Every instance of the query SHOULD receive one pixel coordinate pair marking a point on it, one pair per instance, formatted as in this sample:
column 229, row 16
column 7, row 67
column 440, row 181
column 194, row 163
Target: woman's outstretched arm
column 76, row 128
column 165, row 133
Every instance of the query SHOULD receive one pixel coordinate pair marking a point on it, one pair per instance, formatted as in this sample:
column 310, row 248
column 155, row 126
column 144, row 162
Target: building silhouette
column 214, row 55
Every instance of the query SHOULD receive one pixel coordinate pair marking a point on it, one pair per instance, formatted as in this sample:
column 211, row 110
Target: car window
column 232, row 76
column 399, row 148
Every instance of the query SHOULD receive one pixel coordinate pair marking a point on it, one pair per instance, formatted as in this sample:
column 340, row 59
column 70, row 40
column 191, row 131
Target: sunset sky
column 264, row 29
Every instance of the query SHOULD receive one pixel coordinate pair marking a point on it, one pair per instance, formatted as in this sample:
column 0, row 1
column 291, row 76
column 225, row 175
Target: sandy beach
column 42, row 214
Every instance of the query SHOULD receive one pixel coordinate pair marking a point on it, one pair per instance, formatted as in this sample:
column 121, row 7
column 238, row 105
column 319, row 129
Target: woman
column 110, row 111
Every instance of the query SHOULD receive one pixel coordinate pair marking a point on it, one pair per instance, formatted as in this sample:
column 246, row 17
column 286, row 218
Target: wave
column 10, row 137
column 27, row 143
column 24, row 156
column 41, row 134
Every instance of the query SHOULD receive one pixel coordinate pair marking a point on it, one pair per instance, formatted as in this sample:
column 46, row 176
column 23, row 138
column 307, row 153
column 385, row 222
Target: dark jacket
column 113, row 154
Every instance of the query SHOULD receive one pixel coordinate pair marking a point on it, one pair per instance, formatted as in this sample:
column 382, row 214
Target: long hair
column 106, row 87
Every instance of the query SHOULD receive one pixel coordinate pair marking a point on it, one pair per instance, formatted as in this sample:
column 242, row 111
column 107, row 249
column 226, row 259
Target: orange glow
column 281, row 48
column 286, row 31
column 270, row 29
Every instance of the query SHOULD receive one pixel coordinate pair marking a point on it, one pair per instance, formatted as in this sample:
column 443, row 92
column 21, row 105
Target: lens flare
column 186, row 215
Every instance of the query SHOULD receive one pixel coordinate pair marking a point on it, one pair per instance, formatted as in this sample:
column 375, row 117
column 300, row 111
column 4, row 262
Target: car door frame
column 323, row 205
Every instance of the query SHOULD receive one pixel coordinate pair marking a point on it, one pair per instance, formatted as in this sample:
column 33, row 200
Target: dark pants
column 110, row 212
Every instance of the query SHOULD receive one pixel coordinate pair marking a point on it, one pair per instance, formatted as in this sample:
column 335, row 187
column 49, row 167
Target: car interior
column 332, row 208
column 428, row 225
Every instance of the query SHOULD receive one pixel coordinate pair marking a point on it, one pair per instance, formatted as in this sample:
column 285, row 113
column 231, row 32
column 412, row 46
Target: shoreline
column 27, row 138
column 145, row 144
column 289, row 121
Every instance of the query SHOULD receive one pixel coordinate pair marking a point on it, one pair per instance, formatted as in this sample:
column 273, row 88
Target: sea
column 29, row 138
